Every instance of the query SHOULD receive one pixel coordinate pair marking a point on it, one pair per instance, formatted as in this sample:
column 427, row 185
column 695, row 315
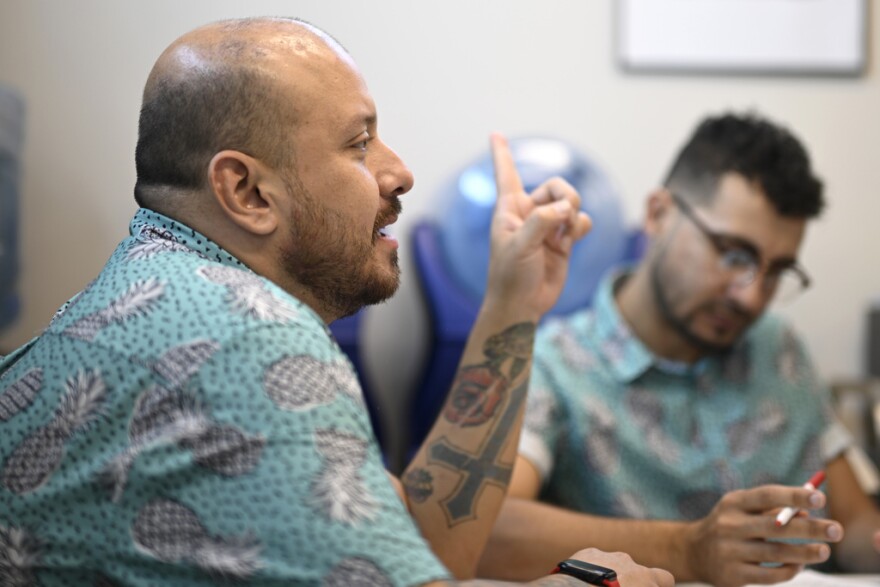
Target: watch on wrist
column 587, row 572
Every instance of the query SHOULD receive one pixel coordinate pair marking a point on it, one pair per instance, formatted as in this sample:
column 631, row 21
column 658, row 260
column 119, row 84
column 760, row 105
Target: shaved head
column 218, row 88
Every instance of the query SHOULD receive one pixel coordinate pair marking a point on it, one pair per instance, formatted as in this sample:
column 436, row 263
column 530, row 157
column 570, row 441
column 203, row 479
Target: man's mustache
column 395, row 208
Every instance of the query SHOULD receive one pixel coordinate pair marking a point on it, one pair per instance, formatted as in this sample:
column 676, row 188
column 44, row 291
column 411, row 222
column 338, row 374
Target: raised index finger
column 506, row 176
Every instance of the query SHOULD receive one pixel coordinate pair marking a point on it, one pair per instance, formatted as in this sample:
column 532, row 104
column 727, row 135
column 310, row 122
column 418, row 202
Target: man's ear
column 658, row 210
column 239, row 184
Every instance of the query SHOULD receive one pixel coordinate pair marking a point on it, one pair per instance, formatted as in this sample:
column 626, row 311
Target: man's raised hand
column 532, row 237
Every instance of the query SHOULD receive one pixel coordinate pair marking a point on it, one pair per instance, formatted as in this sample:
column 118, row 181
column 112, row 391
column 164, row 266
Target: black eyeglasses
column 741, row 262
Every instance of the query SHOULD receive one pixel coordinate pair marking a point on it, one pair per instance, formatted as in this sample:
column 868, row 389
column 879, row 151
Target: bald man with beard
column 187, row 419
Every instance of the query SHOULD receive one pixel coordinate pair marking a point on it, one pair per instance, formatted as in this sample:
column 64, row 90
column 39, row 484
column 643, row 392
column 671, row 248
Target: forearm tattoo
column 418, row 485
column 478, row 390
column 477, row 394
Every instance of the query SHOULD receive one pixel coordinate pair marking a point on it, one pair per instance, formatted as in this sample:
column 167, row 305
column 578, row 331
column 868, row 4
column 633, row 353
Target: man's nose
column 752, row 297
column 392, row 174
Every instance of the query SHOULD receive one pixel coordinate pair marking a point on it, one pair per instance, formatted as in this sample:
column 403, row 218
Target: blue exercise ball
column 471, row 198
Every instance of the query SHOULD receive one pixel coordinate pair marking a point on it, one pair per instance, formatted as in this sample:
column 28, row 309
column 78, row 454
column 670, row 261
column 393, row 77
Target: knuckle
column 776, row 551
column 663, row 577
column 776, row 574
column 731, row 497
column 727, row 525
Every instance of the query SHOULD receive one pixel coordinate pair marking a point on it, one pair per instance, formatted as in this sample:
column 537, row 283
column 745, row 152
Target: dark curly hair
column 759, row 150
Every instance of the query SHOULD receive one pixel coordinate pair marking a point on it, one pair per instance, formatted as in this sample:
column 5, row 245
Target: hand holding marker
column 787, row 514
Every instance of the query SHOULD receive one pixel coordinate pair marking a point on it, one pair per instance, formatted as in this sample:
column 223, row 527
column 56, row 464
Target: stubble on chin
column 669, row 293
column 340, row 269
column 346, row 284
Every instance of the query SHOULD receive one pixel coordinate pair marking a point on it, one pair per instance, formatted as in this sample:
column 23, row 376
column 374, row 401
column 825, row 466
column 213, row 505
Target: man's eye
column 738, row 259
column 362, row 145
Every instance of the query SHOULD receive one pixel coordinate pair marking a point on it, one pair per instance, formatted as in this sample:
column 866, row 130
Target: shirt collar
column 626, row 355
column 167, row 233
column 148, row 225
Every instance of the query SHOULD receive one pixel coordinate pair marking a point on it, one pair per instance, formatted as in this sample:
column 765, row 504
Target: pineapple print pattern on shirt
column 749, row 434
column 226, row 450
column 356, row 572
column 602, row 449
column 172, row 533
column 19, row 554
column 163, row 417
column 180, row 363
column 338, row 491
column 626, row 421
column 208, row 479
column 138, row 300
column 21, row 394
column 302, row 382
column 248, row 294
column 648, row 413
column 152, row 240
column 34, row 461
column 572, row 353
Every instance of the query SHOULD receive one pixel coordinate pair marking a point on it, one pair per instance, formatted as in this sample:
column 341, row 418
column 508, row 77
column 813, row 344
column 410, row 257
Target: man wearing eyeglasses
column 676, row 418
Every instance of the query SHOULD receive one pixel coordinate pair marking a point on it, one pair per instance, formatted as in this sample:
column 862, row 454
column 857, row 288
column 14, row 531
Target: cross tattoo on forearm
column 479, row 469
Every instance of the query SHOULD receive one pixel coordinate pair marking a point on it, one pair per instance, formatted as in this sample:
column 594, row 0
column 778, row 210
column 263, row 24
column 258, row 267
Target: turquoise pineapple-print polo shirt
column 183, row 421
column 616, row 431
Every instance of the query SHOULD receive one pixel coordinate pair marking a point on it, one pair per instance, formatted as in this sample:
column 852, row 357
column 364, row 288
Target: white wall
column 444, row 74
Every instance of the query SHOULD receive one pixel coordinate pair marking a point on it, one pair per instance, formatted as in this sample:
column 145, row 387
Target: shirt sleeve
column 541, row 426
column 795, row 363
column 284, row 481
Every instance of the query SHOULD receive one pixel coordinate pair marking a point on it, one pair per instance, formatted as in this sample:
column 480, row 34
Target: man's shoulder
column 579, row 322
column 569, row 346
column 163, row 298
column 773, row 351
column 771, row 328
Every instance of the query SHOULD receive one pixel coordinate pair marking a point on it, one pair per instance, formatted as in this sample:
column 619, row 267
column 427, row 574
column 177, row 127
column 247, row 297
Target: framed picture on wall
column 824, row 37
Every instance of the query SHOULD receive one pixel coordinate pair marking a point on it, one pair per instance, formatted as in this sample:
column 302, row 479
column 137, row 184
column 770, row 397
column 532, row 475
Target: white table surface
column 813, row 579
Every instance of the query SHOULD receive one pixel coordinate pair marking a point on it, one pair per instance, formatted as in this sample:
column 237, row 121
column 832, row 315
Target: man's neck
column 639, row 309
column 257, row 253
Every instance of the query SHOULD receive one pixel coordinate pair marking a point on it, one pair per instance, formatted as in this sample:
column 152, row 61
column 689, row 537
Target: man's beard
column 681, row 324
column 337, row 267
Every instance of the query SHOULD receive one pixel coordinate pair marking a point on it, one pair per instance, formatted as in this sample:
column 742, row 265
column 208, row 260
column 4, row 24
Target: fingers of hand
column 572, row 231
column 662, row 577
column 549, row 223
column 506, row 176
column 762, row 551
column 557, row 194
column 730, row 522
column 557, row 225
column 556, row 190
column 807, row 528
column 768, row 497
column 626, row 567
column 746, row 526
